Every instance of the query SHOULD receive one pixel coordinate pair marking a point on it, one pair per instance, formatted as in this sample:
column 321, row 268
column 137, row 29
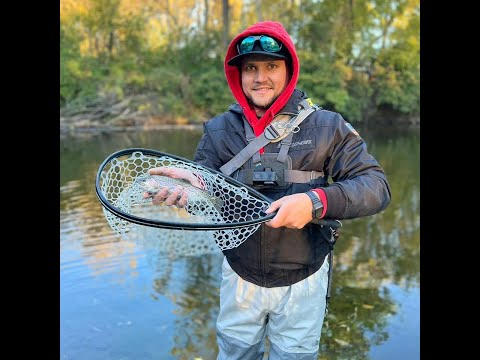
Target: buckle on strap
column 271, row 133
column 280, row 127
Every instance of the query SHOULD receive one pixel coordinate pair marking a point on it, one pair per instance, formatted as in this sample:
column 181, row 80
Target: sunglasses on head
column 266, row 42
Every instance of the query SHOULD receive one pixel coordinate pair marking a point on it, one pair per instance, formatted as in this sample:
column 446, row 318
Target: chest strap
column 302, row 176
column 274, row 132
column 313, row 177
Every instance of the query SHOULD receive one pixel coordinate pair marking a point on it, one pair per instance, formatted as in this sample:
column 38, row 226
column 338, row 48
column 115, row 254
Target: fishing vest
column 269, row 170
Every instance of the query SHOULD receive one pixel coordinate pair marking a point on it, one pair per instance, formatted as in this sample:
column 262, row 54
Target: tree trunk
column 226, row 23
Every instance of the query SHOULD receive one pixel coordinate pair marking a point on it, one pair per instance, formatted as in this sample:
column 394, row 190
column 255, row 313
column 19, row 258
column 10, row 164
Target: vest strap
column 274, row 132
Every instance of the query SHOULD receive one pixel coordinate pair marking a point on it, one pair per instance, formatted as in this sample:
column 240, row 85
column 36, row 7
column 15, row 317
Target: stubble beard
column 262, row 106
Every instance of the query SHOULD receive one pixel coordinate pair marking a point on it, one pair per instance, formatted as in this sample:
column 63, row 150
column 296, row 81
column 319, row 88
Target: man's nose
column 261, row 75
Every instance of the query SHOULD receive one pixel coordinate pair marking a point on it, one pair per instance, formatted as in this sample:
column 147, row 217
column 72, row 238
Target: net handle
column 187, row 226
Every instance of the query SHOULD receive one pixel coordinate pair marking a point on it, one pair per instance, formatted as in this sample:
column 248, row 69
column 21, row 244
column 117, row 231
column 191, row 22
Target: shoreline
column 79, row 131
column 95, row 128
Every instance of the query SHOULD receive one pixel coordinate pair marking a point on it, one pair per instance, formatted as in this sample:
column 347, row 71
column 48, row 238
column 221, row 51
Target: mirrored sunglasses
column 267, row 43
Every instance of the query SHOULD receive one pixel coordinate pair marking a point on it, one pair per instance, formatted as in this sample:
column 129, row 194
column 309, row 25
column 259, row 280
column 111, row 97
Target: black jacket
column 326, row 142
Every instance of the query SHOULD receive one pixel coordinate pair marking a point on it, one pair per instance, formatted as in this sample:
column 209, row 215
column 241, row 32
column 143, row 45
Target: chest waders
column 270, row 170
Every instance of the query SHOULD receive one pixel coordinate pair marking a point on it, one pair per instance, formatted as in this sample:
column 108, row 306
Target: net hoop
column 112, row 208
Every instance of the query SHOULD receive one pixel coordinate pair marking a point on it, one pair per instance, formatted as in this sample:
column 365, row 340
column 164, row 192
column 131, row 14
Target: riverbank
column 87, row 124
column 101, row 121
column 87, row 129
column 110, row 114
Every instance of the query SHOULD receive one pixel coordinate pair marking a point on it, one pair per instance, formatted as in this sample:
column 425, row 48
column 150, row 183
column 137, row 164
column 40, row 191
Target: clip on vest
column 265, row 178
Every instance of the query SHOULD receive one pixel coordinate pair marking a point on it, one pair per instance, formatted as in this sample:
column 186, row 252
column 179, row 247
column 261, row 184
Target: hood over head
column 233, row 76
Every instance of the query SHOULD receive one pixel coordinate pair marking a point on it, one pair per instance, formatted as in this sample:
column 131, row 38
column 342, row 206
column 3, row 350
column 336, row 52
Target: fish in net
column 224, row 209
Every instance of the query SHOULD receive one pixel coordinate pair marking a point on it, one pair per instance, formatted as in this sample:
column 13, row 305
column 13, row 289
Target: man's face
column 263, row 80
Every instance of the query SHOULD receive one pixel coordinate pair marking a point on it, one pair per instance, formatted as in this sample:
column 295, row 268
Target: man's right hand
column 177, row 196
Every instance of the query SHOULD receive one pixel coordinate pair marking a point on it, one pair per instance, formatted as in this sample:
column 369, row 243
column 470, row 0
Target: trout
column 195, row 196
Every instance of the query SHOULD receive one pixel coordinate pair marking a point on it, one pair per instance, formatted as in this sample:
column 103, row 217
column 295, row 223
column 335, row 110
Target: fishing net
column 225, row 210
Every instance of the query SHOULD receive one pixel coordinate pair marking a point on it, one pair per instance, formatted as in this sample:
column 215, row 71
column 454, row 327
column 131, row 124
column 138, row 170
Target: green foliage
column 397, row 80
column 325, row 82
column 206, row 91
column 360, row 92
column 355, row 57
column 71, row 72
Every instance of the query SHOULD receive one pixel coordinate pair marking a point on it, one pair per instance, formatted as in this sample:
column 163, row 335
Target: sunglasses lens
column 266, row 42
column 246, row 45
column 269, row 44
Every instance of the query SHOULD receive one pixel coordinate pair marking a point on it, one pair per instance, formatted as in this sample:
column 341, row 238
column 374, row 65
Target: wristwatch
column 317, row 204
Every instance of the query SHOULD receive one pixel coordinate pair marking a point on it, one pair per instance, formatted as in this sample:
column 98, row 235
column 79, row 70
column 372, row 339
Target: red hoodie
column 232, row 73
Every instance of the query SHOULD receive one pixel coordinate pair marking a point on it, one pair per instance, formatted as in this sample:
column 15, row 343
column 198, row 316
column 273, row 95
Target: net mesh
column 220, row 202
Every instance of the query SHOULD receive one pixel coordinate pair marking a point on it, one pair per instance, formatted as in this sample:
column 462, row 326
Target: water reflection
column 135, row 299
column 197, row 310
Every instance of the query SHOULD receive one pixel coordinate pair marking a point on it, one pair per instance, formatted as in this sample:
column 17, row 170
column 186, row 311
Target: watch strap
column 317, row 204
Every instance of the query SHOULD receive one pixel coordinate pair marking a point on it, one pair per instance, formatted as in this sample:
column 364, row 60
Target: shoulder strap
column 250, row 136
column 274, row 132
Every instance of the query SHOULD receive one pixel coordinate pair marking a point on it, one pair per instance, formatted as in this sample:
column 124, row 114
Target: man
column 275, row 283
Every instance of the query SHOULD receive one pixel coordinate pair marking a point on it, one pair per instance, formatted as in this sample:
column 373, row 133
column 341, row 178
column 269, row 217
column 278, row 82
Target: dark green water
column 126, row 300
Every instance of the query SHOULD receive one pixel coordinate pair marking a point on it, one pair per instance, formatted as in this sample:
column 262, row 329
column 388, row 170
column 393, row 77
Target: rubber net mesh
column 220, row 202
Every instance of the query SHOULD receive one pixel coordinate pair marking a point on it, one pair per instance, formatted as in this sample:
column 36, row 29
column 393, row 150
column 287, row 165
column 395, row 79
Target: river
column 122, row 299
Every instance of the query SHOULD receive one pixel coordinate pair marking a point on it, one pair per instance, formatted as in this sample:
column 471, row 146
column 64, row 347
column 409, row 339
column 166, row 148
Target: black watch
column 317, row 204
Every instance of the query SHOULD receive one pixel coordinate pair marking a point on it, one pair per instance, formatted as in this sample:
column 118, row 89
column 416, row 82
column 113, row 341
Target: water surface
column 129, row 299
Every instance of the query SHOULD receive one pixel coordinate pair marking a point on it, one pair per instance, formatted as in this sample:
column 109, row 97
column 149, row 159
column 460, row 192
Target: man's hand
column 176, row 196
column 294, row 211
